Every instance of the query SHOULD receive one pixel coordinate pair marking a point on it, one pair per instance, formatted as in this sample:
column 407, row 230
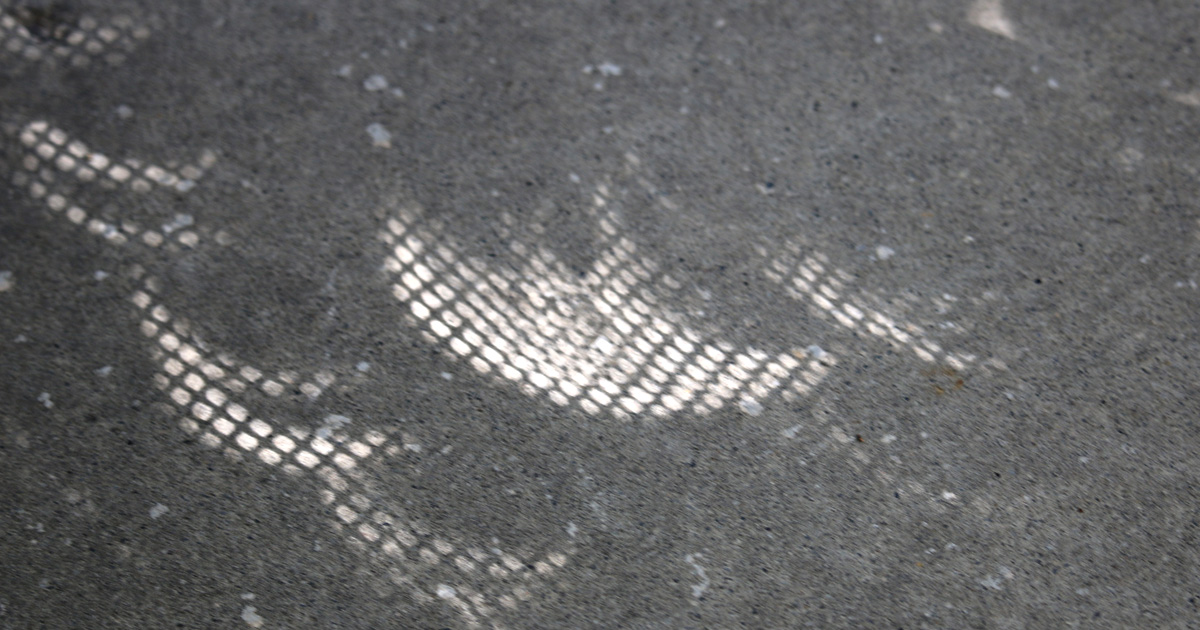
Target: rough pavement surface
column 599, row 315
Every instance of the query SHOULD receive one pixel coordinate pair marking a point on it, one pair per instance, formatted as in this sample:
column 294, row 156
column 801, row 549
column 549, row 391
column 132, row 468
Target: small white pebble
column 185, row 185
column 104, row 371
column 815, row 351
column 1144, row 259
column 180, row 221
column 936, row 27
column 380, row 137
column 448, row 376
column 375, row 83
column 362, row 366
column 335, row 421
column 20, row 339
column 791, row 432
column 344, row 71
column 751, row 407
column 572, row 529
column 1053, row 84
column 397, row 92
column 883, row 252
column 720, row 23
column 158, row 510
column 888, row 439
column 878, row 38
column 100, row 275
column 250, row 616
column 248, row 596
column 609, row 69
column 6, row 281
column 44, row 398
column 1001, row 92
column 574, row 178
column 414, row 447
column 446, row 592
column 124, row 112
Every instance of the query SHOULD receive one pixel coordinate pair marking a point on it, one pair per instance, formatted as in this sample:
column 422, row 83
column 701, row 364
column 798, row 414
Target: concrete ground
column 599, row 315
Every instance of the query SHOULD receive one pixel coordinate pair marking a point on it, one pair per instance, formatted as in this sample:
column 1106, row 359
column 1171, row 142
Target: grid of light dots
column 186, row 366
column 812, row 279
column 635, row 361
column 205, row 387
column 49, row 149
column 78, row 45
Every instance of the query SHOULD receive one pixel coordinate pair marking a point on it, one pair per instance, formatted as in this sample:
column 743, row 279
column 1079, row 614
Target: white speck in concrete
column 6, row 281
column 180, row 221
column 937, row 27
column 344, row 71
column 362, row 366
column 335, row 421
column 574, row 178
column 158, row 510
column 720, row 23
column 572, row 529
column 883, row 252
column 791, row 432
column 380, row 136
column 44, row 398
column 100, row 275
column 20, row 339
column 991, row 582
column 603, row 345
column 185, row 185
column 248, row 596
column 104, row 371
column 698, row 589
column 816, row 351
column 413, row 446
column 608, row 69
column 1052, row 83
column 397, row 92
column 888, row 439
column 124, row 112
column 251, row 617
column 448, row 376
column 1001, row 92
column 1144, row 259
column 751, row 407
column 878, row 38
column 446, row 592
column 375, row 83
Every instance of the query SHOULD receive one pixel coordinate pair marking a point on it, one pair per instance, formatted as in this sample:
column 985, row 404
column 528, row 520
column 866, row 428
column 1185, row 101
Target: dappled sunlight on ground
column 603, row 340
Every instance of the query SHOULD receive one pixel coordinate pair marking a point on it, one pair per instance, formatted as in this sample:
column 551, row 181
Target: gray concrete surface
column 599, row 315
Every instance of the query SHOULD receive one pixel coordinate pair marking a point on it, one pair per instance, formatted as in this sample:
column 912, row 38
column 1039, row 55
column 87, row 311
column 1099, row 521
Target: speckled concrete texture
column 481, row 314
